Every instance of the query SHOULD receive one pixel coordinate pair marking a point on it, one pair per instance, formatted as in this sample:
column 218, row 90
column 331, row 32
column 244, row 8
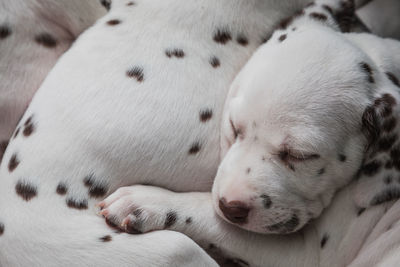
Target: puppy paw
column 139, row 209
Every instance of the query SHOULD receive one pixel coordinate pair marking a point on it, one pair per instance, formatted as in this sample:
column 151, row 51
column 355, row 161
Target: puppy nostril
column 234, row 211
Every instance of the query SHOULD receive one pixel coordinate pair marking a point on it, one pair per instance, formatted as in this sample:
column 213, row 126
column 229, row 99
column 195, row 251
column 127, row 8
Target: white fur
column 90, row 118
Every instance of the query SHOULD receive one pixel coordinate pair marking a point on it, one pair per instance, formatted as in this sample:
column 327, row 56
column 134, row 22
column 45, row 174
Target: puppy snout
column 234, row 211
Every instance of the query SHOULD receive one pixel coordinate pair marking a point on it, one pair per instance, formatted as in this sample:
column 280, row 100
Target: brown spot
column 170, row 219
column 130, row 4
column 222, row 36
column 248, row 170
column 283, row 24
column 282, row 37
column 342, row 157
column 328, row 8
column 5, row 31
column 372, row 168
column 77, row 204
column 16, row 132
column 113, row 22
column 189, row 220
column 266, row 200
column 106, row 238
column 174, row 53
column 386, row 142
column 195, row 148
column 389, row 124
column 89, row 180
column 28, row 129
column 368, row 70
column 61, row 189
column 13, row 163
column 242, row 40
column 106, row 4
column 46, row 40
column 214, row 61
column 324, row 239
column 1, row 228
column 136, row 72
column 97, row 191
column 3, row 147
column 360, row 211
column 266, row 38
column 205, row 115
column 321, row 171
column 25, row 190
column 393, row 78
column 318, row 16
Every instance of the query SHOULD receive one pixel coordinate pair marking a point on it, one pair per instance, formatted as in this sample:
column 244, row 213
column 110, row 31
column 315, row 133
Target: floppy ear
column 379, row 177
column 336, row 14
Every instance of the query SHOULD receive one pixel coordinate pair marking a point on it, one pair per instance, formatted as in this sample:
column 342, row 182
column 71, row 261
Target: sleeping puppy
column 137, row 99
column 33, row 35
column 309, row 146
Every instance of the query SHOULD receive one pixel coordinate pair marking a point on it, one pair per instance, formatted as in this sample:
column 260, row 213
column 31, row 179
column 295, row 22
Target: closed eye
column 293, row 156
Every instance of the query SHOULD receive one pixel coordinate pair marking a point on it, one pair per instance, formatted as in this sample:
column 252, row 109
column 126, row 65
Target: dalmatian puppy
column 310, row 148
column 33, row 35
column 137, row 99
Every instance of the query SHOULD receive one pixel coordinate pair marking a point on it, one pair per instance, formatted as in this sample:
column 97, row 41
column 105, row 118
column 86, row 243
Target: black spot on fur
column 214, row 61
column 195, row 148
column 360, row 211
column 222, row 36
column 137, row 73
column 113, row 22
column 328, row 8
column 189, row 220
column 16, row 132
column 386, row 142
column 46, row 40
column 266, row 38
column 393, row 78
column 283, row 24
column 13, row 163
column 242, row 40
column 368, row 70
column 178, row 53
column 170, row 219
column 3, row 147
column 61, row 189
column 324, row 239
column 266, row 200
column 5, row 31
column 286, row 226
column 342, row 157
column 96, row 188
column 385, row 196
column 77, row 204
column 235, row 262
column 106, row 238
column 370, row 124
column 248, row 170
column 389, row 124
column 106, row 4
column 318, row 16
column 282, row 37
column 372, row 168
column 29, row 127
column 25, row 190
column 321, row 171
column 130, row 3
column 388, row 179
column 1, row 228
column 345, row 16
column 205, row 115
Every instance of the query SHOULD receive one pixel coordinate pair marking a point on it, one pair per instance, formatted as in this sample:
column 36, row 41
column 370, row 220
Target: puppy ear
column 379, row 176
column 337, row 14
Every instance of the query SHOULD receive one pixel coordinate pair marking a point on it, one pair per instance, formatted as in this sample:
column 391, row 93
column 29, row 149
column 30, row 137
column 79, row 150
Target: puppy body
column 34, row 34
column 359, row 227
column 137, row 99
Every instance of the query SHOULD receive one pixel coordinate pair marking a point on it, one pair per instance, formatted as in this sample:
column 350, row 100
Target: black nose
column 234, row 211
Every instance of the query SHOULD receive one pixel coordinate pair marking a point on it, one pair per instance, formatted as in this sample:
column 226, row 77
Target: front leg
column 140, row 209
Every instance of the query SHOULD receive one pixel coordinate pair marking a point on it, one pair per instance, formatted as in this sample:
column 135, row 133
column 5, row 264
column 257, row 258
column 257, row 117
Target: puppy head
column 292, row 130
